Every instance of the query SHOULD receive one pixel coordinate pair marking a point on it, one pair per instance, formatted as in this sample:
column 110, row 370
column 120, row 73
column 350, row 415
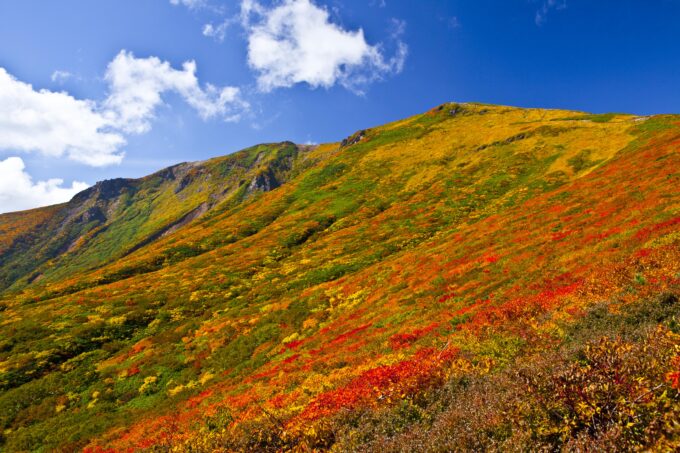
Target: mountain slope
column 116, row 217
column 359, row 275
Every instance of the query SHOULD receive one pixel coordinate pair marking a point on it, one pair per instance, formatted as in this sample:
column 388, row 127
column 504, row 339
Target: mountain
column 116, row 217
column 476, row 277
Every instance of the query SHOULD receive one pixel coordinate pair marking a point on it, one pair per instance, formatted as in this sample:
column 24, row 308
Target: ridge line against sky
column 290, row 43
column 220, row 75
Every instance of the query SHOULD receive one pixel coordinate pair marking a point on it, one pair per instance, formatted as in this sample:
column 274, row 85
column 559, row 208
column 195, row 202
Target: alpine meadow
column 475, row 278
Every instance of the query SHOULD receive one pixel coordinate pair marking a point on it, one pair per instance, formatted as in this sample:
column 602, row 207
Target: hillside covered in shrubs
column 476, row 278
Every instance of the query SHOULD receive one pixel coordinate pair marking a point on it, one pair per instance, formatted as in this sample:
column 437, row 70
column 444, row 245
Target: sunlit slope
column 115, row 217
column 13, row 225
column 485, row 157
column 454, row 240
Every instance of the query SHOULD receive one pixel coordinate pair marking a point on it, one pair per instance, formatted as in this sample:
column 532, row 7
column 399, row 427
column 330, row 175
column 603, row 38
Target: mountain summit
column 476, row 277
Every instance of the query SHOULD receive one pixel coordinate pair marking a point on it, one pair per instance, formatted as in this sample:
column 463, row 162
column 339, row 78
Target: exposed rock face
column 104, row 190
column 168, row 174
column 185, row 182
column 461, row 110
column 187, row 174
column 93, row 214
column 276, row 171
column 264, row 182
column 456, row 110
column 353, row 139
column 94, row 206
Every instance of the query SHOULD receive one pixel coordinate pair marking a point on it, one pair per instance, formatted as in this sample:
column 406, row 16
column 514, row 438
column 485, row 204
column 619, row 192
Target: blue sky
column 94, row 90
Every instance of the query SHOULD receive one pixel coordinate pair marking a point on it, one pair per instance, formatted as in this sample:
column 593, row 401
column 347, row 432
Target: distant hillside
column 476, row 277
column 116, row 217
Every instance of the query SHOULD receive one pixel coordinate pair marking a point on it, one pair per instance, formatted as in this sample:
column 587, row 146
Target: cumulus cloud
column 296, row 42
column 544, row 10
column 137, row 84
column 55, row 124
column 18, row 191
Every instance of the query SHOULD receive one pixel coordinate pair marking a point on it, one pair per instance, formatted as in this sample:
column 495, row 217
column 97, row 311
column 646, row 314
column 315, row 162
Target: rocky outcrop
column 353, row 139
column 264, row 182
column 92, row 214
column 104, row 190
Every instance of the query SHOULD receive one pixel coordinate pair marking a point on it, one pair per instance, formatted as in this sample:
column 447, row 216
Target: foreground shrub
column 612, row 385
column 614, row 393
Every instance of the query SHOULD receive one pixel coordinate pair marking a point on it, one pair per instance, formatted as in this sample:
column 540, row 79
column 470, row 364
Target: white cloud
column 544, row 10
column 137, row 84
column 219, row 31
column 18, row 191
column 60, row 76
column 189, row 3
column 55, row 124
column 295, row 42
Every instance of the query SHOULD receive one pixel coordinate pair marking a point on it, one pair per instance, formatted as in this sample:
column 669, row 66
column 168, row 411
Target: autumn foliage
column 477, row 278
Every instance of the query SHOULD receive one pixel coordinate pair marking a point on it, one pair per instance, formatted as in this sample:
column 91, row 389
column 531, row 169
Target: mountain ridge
column 355, row 278
column 94, row 210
